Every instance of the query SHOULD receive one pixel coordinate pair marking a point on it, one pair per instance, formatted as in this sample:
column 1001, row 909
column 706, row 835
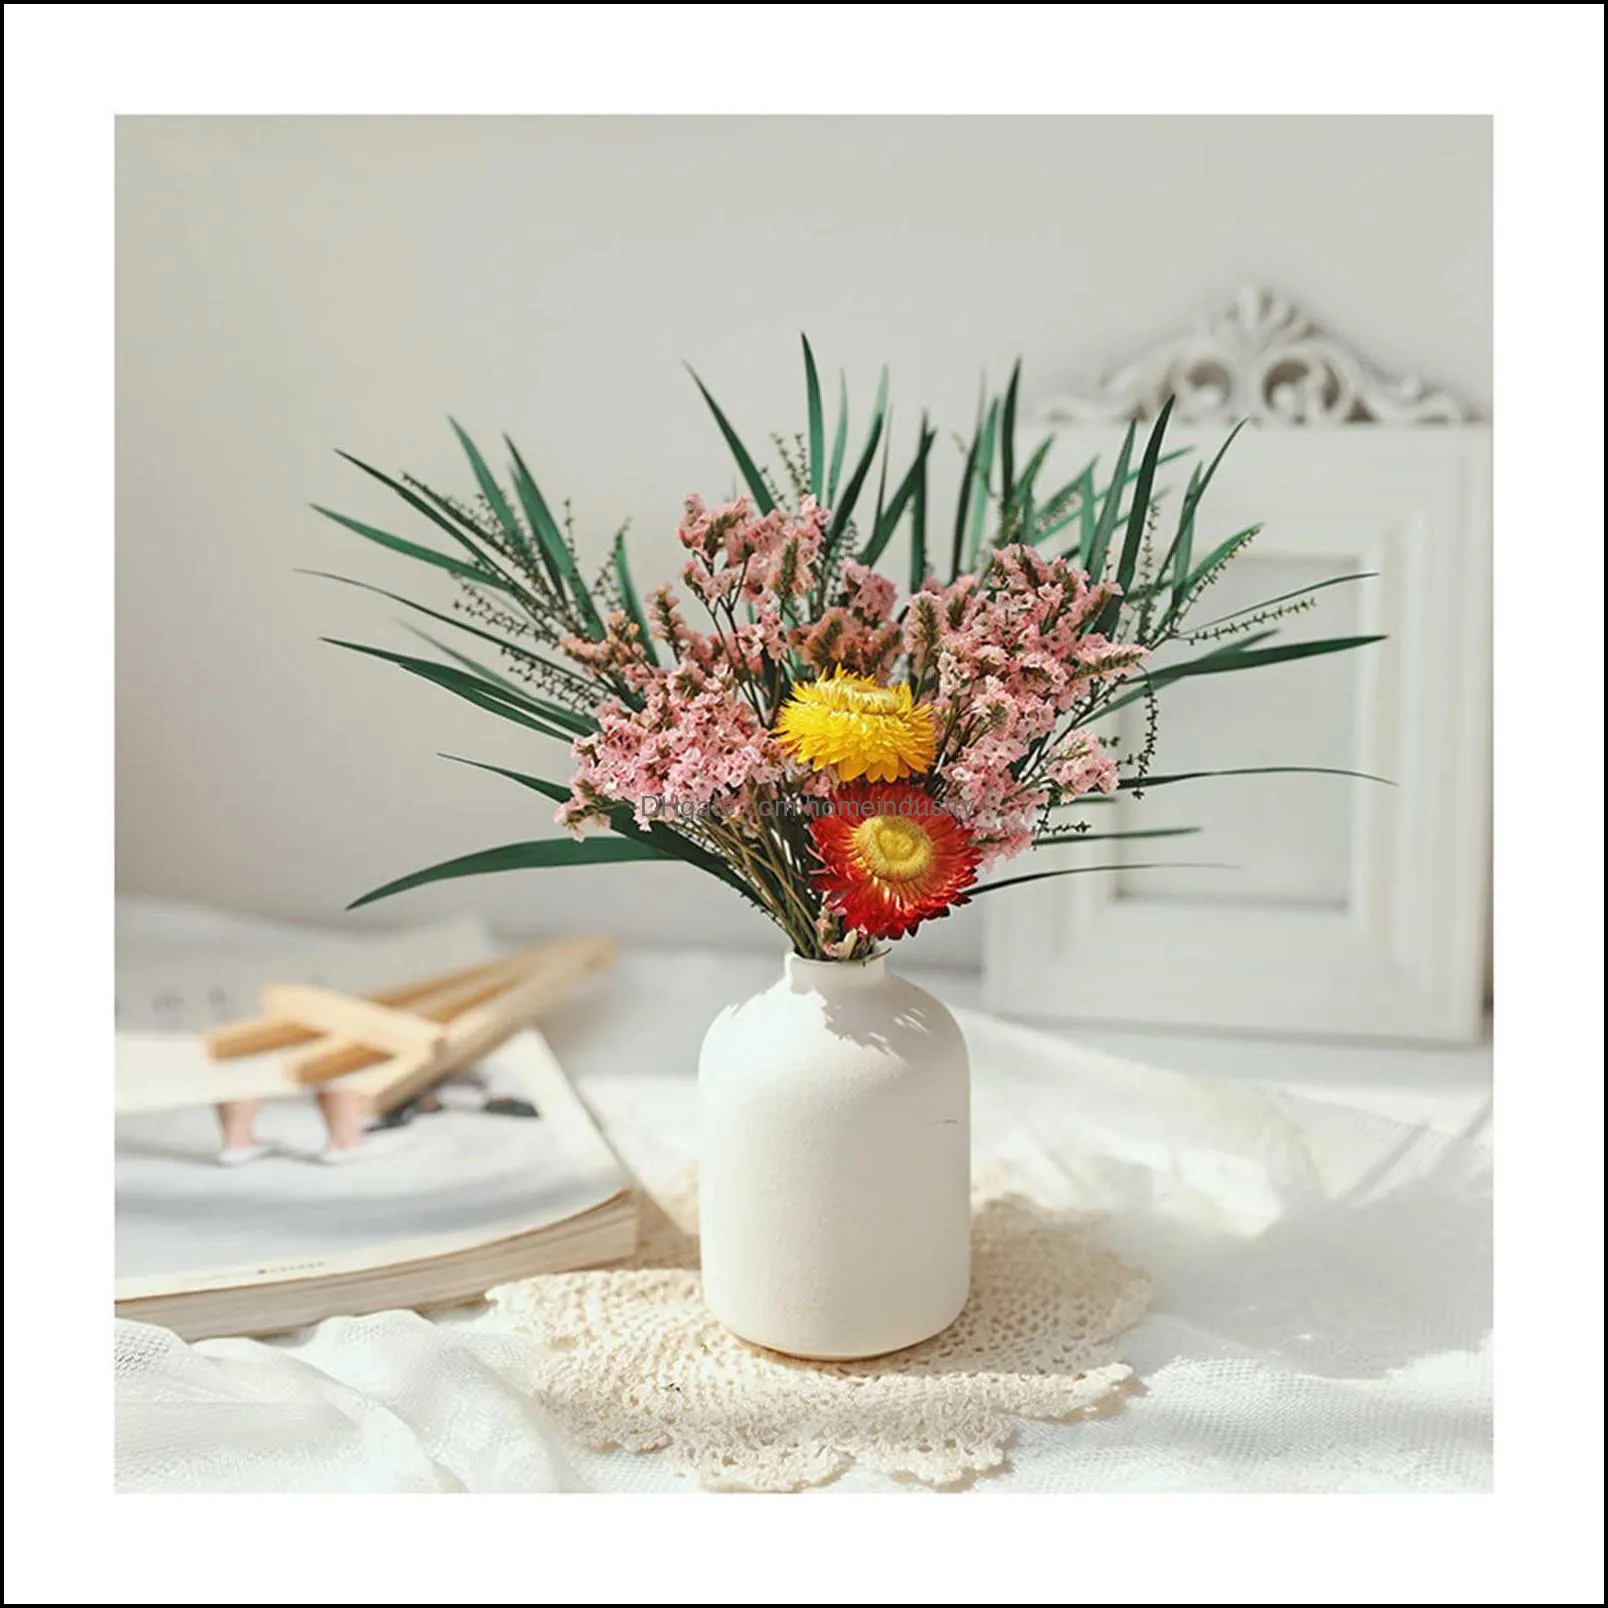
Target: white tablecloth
column 1321, row 1321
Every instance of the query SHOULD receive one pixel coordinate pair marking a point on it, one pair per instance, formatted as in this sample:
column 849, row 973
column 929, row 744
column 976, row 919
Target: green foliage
column 656, row 835
column 840, row 440
column 812, row 385
column 1093, row 556
column 1138, row 517
column 975, row 489
column 843, row 510
column 1257, row 770
column 486, row 692
column 629, row 598
column 558, row 557
column 544, row 854
column 1090, row 870
column 913, row 484
column 398, row 544
column 957, row 552
column 522, row 592
column 746, row 466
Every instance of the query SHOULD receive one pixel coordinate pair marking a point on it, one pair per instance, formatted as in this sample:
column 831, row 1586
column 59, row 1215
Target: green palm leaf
column 628, row 596
column 840, row 440
column 619, row 819
column 1240, row 656
column 471, row 665
column 458, row 623
column 1145, row 783
column 513, row 531
column 1094, row 556
column 1056, row 839
column 918, row 525
column 1283, row 597
column 882, row 477
column 1085, row 516
column 904, row 495
column 982, row 473
column 545, row 854
column 746, row 466
column 556, row 791
column 812, row 389
column 1183, row 542
column 1019, row 515
column 442, row 515
column 844, row 508
column 1255, row 658
column 1182, row 545
column 1007, row 439
column 1138, row 519
column 556, row 554
column 552, row 720
column 957, row 551
column 1062, row 508
column 1089, row 870
column 426, row 555
column 1220, row 554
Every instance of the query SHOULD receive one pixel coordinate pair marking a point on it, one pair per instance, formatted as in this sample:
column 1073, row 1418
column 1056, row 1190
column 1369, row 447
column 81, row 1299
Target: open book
column 496, row 1173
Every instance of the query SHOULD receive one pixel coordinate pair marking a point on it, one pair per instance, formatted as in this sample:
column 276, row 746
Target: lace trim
column 630, row 1359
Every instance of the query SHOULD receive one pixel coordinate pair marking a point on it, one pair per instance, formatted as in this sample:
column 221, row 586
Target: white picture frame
column 1360, row 911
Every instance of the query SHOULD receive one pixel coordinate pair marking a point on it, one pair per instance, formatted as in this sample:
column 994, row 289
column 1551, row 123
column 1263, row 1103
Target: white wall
column 286, row 286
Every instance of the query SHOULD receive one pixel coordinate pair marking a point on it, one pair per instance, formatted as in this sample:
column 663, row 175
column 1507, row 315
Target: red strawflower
column 891, row 858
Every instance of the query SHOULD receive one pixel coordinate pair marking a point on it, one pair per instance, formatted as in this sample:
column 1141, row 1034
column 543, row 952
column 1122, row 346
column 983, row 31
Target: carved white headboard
column 1261, row 358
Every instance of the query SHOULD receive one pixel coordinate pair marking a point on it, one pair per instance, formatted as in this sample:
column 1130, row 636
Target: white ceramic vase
column 835, row 1163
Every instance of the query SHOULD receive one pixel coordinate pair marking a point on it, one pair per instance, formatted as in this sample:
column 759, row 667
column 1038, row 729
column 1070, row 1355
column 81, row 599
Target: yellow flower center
column 855, row 696
column 893, row 849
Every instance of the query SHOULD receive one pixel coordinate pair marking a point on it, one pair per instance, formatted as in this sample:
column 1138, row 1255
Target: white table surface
column 1316, row 1216
column 1441, row 1087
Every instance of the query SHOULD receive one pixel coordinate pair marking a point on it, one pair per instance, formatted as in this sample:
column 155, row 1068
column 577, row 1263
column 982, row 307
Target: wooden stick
column 398, row 1031
column 257, row 1034
column 482, row 1029
column 334, row 1057
column 254, row 1035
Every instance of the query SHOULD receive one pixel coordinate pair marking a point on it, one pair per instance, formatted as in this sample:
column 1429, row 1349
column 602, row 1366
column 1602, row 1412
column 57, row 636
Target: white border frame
column 1541, row 75
column 1404, row 957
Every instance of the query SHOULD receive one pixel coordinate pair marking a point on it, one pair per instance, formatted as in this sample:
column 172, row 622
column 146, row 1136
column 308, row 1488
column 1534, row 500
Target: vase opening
column 805, row 976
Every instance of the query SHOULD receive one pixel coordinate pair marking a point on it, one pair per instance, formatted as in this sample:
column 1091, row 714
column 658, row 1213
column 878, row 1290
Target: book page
column 200, row 989
column 503, row 1149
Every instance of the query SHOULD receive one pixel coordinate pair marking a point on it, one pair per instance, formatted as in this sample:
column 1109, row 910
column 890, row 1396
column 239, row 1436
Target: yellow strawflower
column 858, row 728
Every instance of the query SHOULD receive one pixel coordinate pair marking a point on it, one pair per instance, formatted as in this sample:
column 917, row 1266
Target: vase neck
column 833, row 976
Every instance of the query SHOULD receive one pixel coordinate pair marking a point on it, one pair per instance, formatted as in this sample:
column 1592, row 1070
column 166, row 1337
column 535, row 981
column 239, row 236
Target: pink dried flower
column 737, row 553
column 867, row 595
column 695, row 745
column 1005, row 655
column 1084, row 767
column 620, row 653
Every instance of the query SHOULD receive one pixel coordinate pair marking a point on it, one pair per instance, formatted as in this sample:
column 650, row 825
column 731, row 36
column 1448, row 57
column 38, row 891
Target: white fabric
column 1320, row 1320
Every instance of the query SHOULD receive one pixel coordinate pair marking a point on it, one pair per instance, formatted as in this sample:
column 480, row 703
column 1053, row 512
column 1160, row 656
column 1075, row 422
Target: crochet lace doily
column 628, row 1358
